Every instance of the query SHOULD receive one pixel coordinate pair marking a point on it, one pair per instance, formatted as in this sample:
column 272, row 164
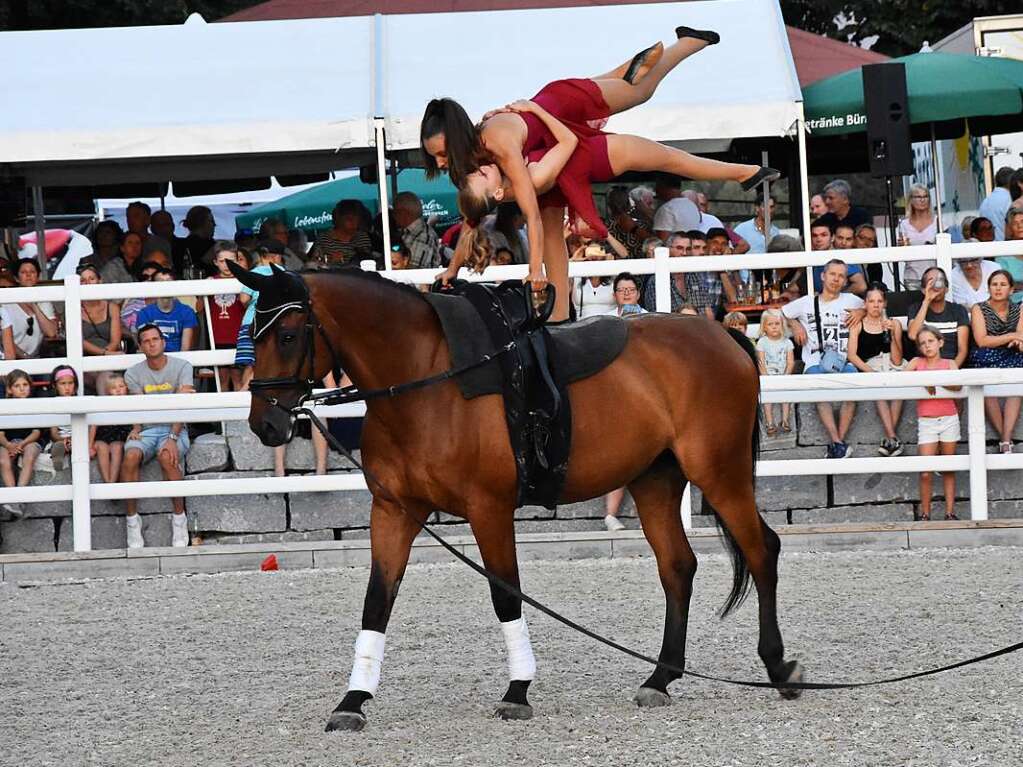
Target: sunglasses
column 31, row 324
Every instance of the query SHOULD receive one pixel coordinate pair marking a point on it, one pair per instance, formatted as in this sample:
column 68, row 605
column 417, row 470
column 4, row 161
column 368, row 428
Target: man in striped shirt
column 420, row 239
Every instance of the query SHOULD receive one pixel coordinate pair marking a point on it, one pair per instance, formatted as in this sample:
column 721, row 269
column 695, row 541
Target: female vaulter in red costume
column 520, row 153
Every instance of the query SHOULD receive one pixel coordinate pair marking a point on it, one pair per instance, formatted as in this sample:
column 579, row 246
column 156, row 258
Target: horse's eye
column 287, row 338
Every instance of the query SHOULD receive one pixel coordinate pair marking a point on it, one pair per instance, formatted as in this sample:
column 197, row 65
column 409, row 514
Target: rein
column 346, row 394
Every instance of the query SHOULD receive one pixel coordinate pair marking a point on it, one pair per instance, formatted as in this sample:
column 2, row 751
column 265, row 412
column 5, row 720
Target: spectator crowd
column 848, row 323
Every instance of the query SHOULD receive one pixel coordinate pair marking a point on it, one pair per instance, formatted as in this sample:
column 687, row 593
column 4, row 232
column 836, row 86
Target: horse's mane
column 374, row 278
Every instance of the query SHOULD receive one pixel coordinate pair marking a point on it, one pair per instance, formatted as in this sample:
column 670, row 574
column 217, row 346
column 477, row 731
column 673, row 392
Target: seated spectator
column 736, row 321
column 970, row 280
column 19, row 448
column 418, row 237
column 950, row 319
column 875, row 346
column 63, row 383
column 718, row 243
column 919, row 227
column 676, row 214
column 776, row 356
column 998, row 334
column 820, row 324
column 752, row 230
column 937, row 421
column 843, row 237
column 650, row 244
column 24, row 325
column 821, row 238
column 400, row 256
column 119, row 268
column 347, row 242
column 106, row 443
column 592, row 295
column 624, row 224
column 167, row 442
column 101, row 319
column 679, row 245
column 273, row 229
column 626, row 293
column 866, row 236
column 106, row 242
column 503, row 257
column 817, row 206
column 644, row 204
column 225, row 311
column 161, row 224
column 982, row 229
column 132, row 306
column 965, row 229
column 177, row 322
column 1013, row 264
column 838, row 200
column 994, row 207
column 189, row 252
column 139, row 217
column 717, row 286
column 792, row 279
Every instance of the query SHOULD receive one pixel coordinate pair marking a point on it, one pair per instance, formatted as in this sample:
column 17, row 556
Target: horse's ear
column 249, row 279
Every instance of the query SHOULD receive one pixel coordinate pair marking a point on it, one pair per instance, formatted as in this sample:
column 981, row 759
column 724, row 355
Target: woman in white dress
column 919, row 227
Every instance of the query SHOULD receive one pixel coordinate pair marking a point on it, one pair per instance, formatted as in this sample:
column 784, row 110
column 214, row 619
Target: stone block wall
column 284, row 517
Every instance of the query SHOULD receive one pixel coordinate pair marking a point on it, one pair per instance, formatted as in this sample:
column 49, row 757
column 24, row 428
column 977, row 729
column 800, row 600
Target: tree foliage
column 72, row 14
column 901, row 26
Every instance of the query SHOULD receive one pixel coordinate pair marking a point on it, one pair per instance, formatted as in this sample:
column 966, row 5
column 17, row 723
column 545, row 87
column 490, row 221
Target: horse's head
column 292, row 351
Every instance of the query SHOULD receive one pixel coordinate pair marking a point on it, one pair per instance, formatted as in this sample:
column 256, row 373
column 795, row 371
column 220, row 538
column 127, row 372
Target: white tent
column 746, row 86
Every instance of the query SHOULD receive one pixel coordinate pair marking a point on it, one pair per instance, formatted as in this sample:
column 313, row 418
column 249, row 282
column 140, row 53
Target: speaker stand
column 890, row 200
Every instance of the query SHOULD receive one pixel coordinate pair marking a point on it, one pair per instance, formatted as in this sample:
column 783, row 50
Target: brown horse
column 680, row 403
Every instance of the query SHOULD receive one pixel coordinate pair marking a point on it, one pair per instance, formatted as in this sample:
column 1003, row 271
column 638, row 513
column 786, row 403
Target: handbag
column 832, row 360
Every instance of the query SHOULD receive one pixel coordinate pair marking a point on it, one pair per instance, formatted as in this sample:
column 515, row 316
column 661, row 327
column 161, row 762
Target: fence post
column 80, row 510
column 943, row 241
column 662, row 277
column 977, row 442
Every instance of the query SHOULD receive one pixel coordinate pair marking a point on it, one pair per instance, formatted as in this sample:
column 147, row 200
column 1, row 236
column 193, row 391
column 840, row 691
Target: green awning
column 950, row 91
column 311, row 209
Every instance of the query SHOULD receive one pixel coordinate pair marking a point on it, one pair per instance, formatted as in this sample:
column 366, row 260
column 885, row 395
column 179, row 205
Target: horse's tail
column 741, row 580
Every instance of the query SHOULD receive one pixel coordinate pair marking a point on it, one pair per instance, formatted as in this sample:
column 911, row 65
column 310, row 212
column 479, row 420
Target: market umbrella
column 311, row 209
column 947, row 94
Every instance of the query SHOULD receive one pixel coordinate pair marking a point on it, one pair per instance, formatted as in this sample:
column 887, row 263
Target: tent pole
column 39, row 220
column 936, row 164
column 394, row 179
column 804, row 192
column 385, row 217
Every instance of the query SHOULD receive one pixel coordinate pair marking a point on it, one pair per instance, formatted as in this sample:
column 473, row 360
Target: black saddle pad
column 578, row 349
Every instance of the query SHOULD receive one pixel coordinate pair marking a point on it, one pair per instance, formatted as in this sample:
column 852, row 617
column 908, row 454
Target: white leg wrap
column 521, row 663
column 369, row 656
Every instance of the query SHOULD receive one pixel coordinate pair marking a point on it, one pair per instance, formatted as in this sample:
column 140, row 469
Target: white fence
column 83, row 411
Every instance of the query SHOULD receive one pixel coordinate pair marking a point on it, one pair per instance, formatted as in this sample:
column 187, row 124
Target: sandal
column 785, row 427
column 951, row 518
column 771, row 429
column 925, row 517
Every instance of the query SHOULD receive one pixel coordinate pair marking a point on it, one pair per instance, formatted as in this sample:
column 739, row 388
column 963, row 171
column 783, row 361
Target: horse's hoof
column 795, row 675
column 349, row 721
column 648, row 697
column 507, row 711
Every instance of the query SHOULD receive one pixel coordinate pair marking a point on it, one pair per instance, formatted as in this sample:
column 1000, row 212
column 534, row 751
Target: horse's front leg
column 495, row 536
column 391, row 534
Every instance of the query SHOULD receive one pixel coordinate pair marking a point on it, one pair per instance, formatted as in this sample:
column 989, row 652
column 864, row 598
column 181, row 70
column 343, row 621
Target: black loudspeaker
column 887, row 106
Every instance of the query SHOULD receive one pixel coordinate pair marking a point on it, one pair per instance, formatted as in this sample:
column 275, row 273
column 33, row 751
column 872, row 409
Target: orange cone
column 268, row 564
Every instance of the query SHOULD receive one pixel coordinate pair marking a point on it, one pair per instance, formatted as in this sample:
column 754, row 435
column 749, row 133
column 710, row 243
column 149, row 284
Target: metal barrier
column 82, row 411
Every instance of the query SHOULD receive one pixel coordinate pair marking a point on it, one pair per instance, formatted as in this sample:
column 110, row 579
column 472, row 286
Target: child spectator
column 63, row 383
column 937, row 420
column 18, row 443
column 176, row 321
column 736, row 320
column 106, row 443
column 225, row 312
column 777, row 358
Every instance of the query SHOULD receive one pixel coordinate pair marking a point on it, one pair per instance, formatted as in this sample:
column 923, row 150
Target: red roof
column 815, row 56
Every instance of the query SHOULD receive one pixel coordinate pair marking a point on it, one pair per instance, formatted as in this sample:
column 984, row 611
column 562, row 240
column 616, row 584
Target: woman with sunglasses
column 25, row 325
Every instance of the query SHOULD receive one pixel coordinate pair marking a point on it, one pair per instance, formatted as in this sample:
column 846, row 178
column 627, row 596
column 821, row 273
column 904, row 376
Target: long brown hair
column 462, row 140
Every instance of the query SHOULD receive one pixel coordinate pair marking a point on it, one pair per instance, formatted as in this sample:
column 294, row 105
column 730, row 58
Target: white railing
column 83, row 411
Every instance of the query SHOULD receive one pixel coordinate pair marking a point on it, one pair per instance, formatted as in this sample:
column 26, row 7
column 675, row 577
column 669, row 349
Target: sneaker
column 179, row 526
column 895, row 447
column 135, row 539
column 842, row 450
column 613, row 524
column 885, row 448
column 57, row 452
column 831, row 450
column 9, row 512
column 1005, row 448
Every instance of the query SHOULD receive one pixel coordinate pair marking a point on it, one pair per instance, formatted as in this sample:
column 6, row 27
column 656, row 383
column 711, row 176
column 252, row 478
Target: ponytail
column 474, row 250
column 446, row 117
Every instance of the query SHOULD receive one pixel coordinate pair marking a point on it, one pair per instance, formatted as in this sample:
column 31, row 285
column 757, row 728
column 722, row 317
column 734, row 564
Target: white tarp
column 186, row 90
column 746, row 86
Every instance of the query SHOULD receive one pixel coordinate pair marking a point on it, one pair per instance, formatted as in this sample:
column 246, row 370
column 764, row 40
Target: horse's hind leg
column 658, row 494
column 495, row 536
column 391, row 534
column 730, row 495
